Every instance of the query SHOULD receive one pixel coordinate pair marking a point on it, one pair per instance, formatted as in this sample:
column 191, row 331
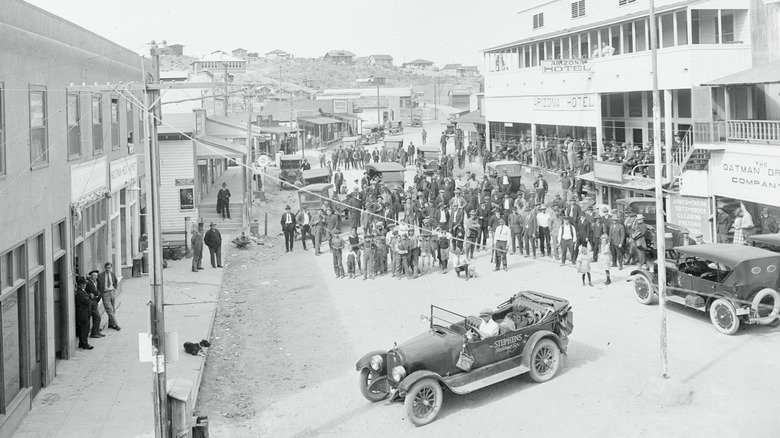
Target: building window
column 97, row 124
column 129, row 121
column 2, row 130
column 578, row 9
column 74, row 129
column 39, row 138
column 625, row 2
column 115, row 123
column 539, row 20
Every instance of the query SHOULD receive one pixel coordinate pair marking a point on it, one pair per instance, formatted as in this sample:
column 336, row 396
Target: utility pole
column 224, row 64
column 249, row 162
column 660, row 234
column 435, row 97
column 157, row 310
column 378, row 118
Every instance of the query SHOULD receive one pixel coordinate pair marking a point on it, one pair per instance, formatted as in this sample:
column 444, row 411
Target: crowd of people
column 90, row 291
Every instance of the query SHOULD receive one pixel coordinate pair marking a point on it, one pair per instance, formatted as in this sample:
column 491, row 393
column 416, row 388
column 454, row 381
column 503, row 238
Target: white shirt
column 502, row 233
column 488, row 329
column 543, row 219
column 306, row 218
column 288, row 218
column 505, row 179
column 109, row 284
column 567, row 232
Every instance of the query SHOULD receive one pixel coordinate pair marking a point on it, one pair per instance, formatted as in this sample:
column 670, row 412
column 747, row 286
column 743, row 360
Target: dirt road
column 288, row 334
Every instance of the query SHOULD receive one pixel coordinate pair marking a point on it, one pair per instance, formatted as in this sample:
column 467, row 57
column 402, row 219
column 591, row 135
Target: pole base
column 666, row 392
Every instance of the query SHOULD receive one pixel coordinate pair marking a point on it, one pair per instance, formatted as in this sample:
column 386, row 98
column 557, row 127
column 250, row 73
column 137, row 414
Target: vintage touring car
column 734, row 283
column 534, row 330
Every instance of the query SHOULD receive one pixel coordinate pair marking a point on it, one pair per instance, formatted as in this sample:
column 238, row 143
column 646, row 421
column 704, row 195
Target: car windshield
column 449, row 320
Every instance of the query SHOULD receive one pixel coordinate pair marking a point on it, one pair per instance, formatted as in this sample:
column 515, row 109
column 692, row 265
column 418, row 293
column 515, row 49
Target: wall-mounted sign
column 87, row 177
column 571, row 102
column 187, row 199
column 122, row 171
column 566, row 66
column 691, row 213
column 185, row 182
column 606, row 171
column 339, row 106
column 746, row 177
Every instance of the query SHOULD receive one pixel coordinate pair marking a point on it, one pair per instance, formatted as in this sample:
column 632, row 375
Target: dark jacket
column 617, row 234
column 213, row 239
column 101, row 282
column 83, row 304
column 283, row 220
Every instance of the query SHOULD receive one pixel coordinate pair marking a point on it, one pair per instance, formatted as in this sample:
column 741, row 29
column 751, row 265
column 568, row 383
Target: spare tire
column 774, row 315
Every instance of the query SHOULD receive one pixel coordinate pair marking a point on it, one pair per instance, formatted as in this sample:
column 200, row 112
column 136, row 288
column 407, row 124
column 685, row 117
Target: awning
column 277, row 129
column 345, row 116
column 472, row 117
column 319, row 120
column 630, row 182
column 214, row 147
column 762, row 74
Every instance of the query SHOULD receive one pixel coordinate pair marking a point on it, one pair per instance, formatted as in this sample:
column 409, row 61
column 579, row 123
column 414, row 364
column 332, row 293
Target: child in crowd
column 351, row 258
column 460, row 263
column 380, row 256
column 444, row 250
column 368, row 257
column 605, row 258
column 583, row 263
column 354, row 242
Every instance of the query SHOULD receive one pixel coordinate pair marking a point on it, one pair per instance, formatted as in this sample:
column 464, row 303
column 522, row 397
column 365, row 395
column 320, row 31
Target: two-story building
column 582, row 69
column 218, row 62
column 71, row 178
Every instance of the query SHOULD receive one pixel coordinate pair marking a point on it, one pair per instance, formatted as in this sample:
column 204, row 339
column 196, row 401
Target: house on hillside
column 470, row 70
column 216, row 62
column 173, row 49
column 463, row 98
column 380, row 60
column 277, row 54
column 452, row 70
column 252, row 56
column 340, row 57
column 362, row 60
column 418, row 64
column 239, row 53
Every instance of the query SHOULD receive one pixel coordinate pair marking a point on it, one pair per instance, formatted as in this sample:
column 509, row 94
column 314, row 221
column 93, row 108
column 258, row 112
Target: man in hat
column 540, row 185
column 336, row 247
column 567, row 235
column 501, row 237
column 543, row 221
column 461, row 263
column 304, row 220
column 504, row 183
column 414, row 254
column 573, row 210
column 196, row 242
column 768, row 223
column 517, row 226
column 530, row 231
column 638, row 236
column 630, row 247
column 338, row 180
column 584, row 233
column 567, row 184
column 617, row 238
column 223, row 202
column 723, row 225
column 213, row 240
column 402, row 255
column 392, row 240
column 487, row 328
column 288, row 227
column 369, row 249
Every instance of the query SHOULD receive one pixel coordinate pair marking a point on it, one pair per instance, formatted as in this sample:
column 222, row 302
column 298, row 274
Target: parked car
column 674, row 234
column 315, row 176
column 428, row 158
column 534, row 330
column 766, row 241
column 290, row 171
column 390, row 173
column 496, row 169
column 736, row 284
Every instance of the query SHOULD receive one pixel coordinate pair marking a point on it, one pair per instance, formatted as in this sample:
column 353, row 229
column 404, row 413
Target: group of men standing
column 90, row 291
column 213, row 240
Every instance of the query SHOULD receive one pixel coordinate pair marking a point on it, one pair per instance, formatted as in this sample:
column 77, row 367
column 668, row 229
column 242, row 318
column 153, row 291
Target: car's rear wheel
column 724, row 316
column 545, row 359
column 423, row 402
column 365, row 383
column 643, row 290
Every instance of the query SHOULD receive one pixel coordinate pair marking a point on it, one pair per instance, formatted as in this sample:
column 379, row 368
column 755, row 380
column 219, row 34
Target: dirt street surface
column 288, row 333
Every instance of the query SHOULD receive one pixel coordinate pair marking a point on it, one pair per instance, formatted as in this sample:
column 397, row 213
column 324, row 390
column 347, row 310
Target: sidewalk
column 107, row 392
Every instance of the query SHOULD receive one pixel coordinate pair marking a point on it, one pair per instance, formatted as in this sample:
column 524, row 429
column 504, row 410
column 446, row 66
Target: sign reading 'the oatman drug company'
column 566, row 66
column 747, row 177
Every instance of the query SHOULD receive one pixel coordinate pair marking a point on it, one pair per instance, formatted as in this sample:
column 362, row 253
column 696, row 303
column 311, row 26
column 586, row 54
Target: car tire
column 364, row 383
column 423, row 402
column 545, row 360
column 644, row 291
column 758, row 301
column 724, row 316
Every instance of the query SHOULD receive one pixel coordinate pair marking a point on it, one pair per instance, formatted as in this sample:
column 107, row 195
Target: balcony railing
column 748, row 131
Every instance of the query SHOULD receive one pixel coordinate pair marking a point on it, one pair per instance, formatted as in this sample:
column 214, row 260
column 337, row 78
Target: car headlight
column 399, row 373
column 376, row 362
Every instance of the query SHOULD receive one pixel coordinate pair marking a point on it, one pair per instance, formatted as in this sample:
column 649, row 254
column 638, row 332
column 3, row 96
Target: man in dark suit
column 83, row 304
column 574, row 211
column 288, row 226
column 223, row 202
column 617, row 237
column 338, row 180
column 107, row 285
column 94, row 295
column 213, row 239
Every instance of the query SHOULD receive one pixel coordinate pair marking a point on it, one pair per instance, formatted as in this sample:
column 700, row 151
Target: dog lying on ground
column 196, row 349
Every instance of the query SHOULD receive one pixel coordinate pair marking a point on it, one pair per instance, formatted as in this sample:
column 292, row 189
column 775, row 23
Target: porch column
column 533, row 145
column 668, row 134
column 488, row 145
column 599, row 129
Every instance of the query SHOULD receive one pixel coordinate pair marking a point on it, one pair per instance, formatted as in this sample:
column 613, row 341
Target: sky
column 442, row 31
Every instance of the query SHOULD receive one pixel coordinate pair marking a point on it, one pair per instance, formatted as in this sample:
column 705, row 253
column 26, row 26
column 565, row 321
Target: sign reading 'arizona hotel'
column 566, row 66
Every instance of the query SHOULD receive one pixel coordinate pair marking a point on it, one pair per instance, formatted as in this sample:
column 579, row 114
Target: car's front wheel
column 423, row 402
column 724, row 316
column 545, row 359
column 643, row 290
column 365, row 383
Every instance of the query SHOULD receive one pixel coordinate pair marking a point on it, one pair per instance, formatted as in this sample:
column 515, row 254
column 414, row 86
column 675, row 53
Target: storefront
column 124, row 213
column 89, row 211
column 746, row 181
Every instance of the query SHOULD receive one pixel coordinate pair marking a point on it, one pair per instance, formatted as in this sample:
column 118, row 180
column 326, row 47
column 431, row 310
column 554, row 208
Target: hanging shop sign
column 606, row 171
column 566, row 66
column 748, row 177
column 692, row 213
column 87, row 178
column 122, row 172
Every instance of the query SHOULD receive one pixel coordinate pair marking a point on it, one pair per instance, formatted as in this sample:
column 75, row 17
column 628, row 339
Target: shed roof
column 761, row 74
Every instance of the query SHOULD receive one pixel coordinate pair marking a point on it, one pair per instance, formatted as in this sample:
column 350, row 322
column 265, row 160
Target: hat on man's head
column 224, row 184
column 590, row 208
column 212, row 224
column 543, row 207
column 764, row 210
column 287, row 207
column 486, row 312
column 640, row 217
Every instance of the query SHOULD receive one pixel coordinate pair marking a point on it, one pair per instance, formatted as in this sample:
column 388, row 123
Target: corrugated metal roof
column 762, row 74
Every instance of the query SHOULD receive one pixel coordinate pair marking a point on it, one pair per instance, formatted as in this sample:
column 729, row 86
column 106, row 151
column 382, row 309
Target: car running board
column 681, row 300
column 463, row 383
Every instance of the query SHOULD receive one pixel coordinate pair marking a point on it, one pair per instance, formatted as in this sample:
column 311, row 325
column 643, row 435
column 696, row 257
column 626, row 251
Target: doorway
column 35, row 316
column 60, row 290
